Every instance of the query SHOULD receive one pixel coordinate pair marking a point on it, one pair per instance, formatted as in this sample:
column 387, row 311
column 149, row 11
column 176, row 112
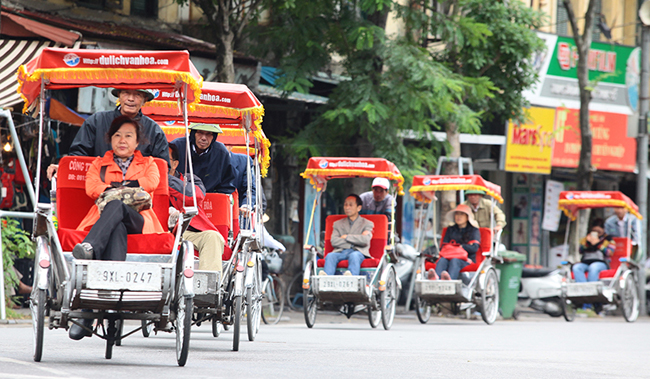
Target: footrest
column 441, row 290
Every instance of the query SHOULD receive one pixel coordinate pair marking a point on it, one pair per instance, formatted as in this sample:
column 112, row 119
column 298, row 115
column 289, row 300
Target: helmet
column 148, row 94
column 474, row 192
column 214, row 128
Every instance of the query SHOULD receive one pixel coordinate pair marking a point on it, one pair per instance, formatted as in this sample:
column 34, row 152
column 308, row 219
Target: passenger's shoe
column 347, row 273
column 83, row 251
column 445, row 276
column 76, row 332
column 322, row 273
column 431, row 274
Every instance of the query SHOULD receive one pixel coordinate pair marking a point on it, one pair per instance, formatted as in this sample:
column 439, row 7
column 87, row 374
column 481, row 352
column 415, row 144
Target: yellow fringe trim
column 113, row 74
column 415, row 191
column 562, row 204
column 310, row 173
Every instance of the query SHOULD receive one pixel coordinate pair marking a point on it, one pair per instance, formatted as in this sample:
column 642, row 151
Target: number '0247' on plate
column 123, row 275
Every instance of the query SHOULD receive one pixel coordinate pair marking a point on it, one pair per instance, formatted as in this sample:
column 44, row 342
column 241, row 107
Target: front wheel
column 147, row 328
column 490, row 297
column 237, row 323
column 630, row 299
column 388, row 300
column 183, row 323
column 568, row 310
column 310, row 306
column 215, row 327
column 273, row 300
column 252, row 312
column 374, row 316
column 423, row 310
column 37, row 306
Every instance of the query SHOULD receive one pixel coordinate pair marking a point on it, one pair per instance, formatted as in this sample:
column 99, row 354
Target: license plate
column 338, row 284
column 200, row 283
column 582, row 290
column 438, row 288
column 122, row 275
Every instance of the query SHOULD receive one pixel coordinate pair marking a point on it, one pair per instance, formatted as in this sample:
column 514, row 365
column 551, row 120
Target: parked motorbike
column 407, row 255
column 540, row 290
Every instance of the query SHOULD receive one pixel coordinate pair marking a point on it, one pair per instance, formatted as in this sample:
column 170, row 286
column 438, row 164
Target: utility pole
column 642, row 146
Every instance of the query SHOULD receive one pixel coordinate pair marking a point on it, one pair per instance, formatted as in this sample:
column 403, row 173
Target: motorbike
column 407, row 255
column 540, row 290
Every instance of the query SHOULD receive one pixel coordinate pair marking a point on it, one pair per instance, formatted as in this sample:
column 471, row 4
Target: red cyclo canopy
column 71, row 68
column 321, row 169
column 572, row 201
column 424, row 186
column 220, row 103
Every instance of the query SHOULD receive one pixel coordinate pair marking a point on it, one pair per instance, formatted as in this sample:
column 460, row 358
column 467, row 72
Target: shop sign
column 611, row 148
column 529, row 145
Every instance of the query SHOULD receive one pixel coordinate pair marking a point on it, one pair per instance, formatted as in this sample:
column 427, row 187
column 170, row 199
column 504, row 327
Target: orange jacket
column 142, row 169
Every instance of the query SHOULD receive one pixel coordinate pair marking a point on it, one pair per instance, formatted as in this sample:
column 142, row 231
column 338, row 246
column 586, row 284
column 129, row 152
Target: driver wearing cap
column 91, row 138
column 378, row 201
column 481, row 208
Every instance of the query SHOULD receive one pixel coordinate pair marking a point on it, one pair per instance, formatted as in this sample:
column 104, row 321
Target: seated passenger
column 123, row 166
column 201, row 231
column 378, row 201
column 350, row 239
column 595, row 249
column 458, row 249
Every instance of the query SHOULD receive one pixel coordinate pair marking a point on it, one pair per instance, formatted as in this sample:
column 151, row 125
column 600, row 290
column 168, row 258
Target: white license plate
column 122, row 275
column 438, row 288
column 200, row 283
column 340, row 284
column 582, row 290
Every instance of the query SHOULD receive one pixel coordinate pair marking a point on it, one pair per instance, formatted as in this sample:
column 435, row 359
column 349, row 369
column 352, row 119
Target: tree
column 228, row 20
column 583, row 44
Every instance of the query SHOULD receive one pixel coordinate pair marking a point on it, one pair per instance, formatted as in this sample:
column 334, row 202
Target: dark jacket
column 91, row 138
column 213, row 166
column 241, row 177
column 469, row 238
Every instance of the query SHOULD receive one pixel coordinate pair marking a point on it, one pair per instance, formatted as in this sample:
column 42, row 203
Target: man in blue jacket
column 210, row 158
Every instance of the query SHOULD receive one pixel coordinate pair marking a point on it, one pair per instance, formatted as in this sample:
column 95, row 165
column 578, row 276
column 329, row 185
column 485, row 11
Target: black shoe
column 76, row 332
column 83, row 251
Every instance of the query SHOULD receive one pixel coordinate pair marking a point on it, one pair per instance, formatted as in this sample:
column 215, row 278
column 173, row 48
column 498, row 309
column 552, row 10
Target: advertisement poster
column 552, row 213
column 530, row 145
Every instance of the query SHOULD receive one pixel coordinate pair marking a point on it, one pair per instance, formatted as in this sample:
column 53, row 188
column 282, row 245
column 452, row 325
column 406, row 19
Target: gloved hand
column 173, row 218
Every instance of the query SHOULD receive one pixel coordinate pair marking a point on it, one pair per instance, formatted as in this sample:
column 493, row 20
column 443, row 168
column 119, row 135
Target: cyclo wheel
column 568, row 309
column 111, row 334
column 388, row 300
column 147, row 328
column 630, row 299
column 237, row 323
column 120, row 330
column 37, row 306
column 293, row 291
column 215, row 327
column 490, row 297
column 252, row 312
column 184, row 307
column 422, row 309
column 374, row 316
column 273, row 300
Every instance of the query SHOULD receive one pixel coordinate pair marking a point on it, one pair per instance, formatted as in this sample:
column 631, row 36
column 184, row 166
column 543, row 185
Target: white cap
column 381, row 182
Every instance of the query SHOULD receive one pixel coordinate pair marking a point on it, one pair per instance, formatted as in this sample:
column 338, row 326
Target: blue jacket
column 611, row 226
column 213, row 166
column 241, row 178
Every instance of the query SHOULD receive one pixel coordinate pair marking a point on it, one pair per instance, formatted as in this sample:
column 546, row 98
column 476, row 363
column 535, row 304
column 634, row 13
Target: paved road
column 533, row 347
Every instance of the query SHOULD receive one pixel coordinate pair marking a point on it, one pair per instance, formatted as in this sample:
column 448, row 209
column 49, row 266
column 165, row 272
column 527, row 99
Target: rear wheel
column 37, row 307
column 111, row 334
column 388, row 300
column 568, row 309
column 237, row 323
column 630, row 299
column 294, row 293
column 490, row 297
column 120, row 331
column 215, row 327
column 423, row 310
column 374, row 316
column 273, row 300
column 184, row 308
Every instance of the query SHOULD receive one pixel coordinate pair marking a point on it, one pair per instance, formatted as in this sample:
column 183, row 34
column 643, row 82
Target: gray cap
column 148, row 94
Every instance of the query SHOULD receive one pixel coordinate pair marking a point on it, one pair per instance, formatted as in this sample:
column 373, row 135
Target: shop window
column 101, row 4
column 144, row 8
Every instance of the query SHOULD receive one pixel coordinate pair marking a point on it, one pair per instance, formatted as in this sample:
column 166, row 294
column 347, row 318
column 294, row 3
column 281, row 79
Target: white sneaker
column 347, row 273
column 322, row 273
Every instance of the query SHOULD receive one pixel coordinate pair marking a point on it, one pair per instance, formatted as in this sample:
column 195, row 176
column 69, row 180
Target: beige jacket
column 355, row 238
column 482, row 214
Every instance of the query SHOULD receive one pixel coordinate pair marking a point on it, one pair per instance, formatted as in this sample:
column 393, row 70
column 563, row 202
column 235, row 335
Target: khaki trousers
column 210, row 245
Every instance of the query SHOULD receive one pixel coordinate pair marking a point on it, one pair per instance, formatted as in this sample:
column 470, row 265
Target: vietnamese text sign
column 611, row 148
column 529, row 145
column 552, row 212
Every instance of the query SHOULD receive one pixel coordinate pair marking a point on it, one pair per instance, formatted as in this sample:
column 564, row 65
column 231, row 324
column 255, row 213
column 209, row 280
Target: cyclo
column 376, row 289
column 66, row 288
column 222, row 298
column 478, row 285
column 618, row 285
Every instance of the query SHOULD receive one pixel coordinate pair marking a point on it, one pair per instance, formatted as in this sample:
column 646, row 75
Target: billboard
column 529, row 146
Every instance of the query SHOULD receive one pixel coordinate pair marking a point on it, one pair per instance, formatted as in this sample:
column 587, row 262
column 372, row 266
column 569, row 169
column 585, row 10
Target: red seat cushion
column 73, row 204
column 377, row 243
column 158, row 243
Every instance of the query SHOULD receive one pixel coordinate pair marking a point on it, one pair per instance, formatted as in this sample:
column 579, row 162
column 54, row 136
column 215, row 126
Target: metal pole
column 19, row 153
column 642, row 161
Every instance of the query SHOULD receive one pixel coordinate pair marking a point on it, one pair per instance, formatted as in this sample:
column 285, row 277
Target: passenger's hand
column 344, row 236
column 51, row 171
column 592, row 240
column 365, row 233
column 173, row 218
column 244, row 211
column 498, row 227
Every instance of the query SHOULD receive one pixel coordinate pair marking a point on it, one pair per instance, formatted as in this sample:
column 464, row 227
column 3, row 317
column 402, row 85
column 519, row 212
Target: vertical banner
column 530, row 145
column 552, row 213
